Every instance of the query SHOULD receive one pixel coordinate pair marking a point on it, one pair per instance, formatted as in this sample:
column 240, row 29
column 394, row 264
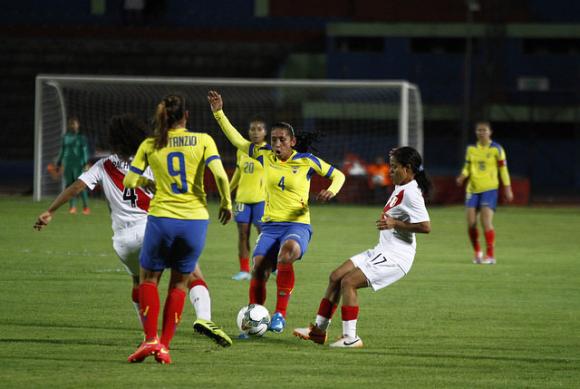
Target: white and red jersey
column 406, row 204
column 128, row 206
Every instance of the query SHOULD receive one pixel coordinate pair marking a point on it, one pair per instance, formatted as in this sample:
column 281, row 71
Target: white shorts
column 379, row 270
column 127, row 243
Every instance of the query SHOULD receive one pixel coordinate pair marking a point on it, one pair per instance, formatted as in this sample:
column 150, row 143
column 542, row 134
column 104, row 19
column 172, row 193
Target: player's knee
column 347, row 283
column 335, row 277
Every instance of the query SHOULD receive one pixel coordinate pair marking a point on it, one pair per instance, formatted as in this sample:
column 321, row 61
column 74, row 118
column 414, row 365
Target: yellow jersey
column 287, row 183
column 483, row 165
column 179, row 170
column 248, row 179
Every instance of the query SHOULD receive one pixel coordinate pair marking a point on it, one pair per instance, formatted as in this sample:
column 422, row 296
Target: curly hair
column 126, row 132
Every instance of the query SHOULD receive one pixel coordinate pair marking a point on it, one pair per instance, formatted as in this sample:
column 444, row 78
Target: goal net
column 357, row 120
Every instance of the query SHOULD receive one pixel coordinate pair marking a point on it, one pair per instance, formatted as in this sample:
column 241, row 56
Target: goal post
column 365, row 118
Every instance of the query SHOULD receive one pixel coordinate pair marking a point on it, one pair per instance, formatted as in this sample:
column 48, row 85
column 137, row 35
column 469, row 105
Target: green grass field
column 67, row 320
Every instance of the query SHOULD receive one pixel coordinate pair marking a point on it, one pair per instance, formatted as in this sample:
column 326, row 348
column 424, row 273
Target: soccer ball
column 253, row 320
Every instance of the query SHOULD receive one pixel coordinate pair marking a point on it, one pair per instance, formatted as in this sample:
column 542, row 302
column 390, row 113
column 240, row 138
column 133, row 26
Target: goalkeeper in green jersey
column 74, row 155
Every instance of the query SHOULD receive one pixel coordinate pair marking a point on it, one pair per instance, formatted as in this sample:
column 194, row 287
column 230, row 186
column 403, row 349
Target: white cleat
column 242, row 276
column 478, row 258
column 488, row 261
column 348, row 342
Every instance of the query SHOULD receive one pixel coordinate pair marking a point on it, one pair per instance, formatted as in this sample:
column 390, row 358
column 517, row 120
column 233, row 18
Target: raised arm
column 233, row 135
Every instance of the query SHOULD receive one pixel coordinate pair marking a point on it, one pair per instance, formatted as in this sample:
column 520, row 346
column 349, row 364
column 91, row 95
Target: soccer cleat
column 72, row 210
column 348, row 342
column 243, row 336
column 478, row 257
column 212, row 331
column 147, row 348
column 162, row 356
column 488, row 261
column 242, row 276
column 86, row 211
column 277, row 323
column 312, row 333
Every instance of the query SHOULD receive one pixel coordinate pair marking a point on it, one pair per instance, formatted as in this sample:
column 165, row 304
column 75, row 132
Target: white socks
column 199, row 297
column 349, row 328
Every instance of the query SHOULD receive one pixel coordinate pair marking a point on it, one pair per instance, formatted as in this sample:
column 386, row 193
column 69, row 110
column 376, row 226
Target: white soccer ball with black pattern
column 253, row 320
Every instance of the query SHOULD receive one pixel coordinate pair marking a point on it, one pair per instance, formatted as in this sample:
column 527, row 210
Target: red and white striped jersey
column 128, row 206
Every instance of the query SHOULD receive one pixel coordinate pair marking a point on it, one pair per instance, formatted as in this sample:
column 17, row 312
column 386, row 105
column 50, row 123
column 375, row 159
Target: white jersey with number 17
column 128, row 206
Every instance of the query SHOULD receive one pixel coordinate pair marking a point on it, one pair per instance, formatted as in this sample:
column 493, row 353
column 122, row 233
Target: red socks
column 285, row 284
column 257, row 291
column 326, row 308
column 149, row 308
column 245, row 264
column 172, row 314
column 473, row 236
column 135, row 295
column 490, row 240
column 197, row 282
column 349, row 312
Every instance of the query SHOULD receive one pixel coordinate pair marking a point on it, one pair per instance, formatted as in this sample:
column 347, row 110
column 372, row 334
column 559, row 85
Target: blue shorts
column 484, row 199
column 274, row 234
column 172, row 243
column 249, row 213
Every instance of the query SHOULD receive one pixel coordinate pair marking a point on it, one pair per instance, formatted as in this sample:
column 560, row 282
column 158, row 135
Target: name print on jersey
column 180, row 141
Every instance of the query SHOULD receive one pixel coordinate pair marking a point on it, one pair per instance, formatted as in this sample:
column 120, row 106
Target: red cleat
column 72, row 210
column 147, row 348
column 162, row 356
column 86, row 211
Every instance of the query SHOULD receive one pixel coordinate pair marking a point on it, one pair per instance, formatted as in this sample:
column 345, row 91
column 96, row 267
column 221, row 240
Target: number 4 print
column 281, row 183
column 130, row 195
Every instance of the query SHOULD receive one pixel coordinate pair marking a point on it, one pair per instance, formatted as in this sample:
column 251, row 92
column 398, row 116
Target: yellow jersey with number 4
column 178, row 170
column 483, row 165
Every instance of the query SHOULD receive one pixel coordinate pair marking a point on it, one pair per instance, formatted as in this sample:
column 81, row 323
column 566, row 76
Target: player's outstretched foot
column 277, row 323
column 478, row 257
column 147, row 348
column 162, row 356
column 488, row 261
column 348, row 342
column 312, row 332
column 72, row 210
column 212, row 331
column 86, row 211
column 242, row 276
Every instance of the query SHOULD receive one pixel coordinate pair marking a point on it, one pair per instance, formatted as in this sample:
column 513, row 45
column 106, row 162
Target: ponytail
column 170, row 111
column 424, row 183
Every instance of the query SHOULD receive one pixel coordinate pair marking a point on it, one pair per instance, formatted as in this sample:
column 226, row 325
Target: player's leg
column 243, row 252
column 149, row 308
column 488, row 205
column 152, row 266
column 242, row 216
column 317, row 331
column 487, row 224
column 199, row 295
column 127, row 244
column 471, row 209
column 267, row 246
column 69, row 179
column 349, row 284
column 294, row 245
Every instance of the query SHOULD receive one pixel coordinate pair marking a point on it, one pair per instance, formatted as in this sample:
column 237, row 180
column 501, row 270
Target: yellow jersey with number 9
column 178, row 169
